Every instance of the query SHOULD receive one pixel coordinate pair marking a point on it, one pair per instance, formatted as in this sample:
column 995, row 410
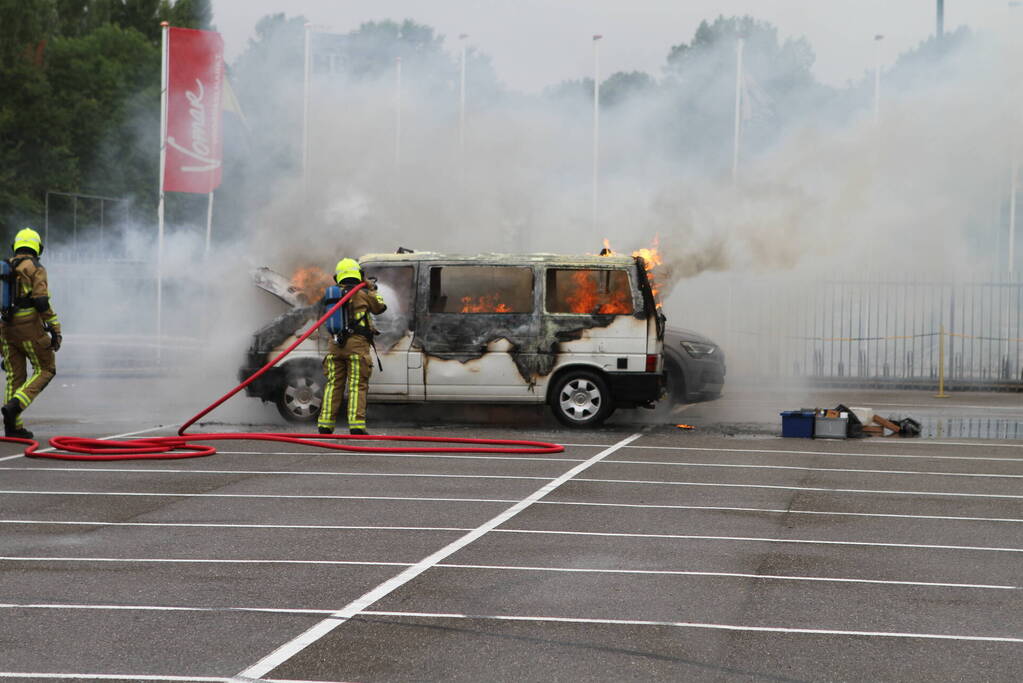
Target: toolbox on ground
column 797, row 423
column 831, row 427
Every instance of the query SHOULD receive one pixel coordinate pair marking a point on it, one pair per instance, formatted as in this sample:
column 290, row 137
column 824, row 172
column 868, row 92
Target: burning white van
column 580, row 333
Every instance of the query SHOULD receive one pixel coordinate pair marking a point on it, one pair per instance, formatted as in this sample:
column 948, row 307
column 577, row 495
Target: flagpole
column 164, row 62
column 877, row 78
column 461, row 133
column 397, row 140
column 461, row 103
column 596, row 127
column 305, row 109
column 738, row 111
column 209, row 224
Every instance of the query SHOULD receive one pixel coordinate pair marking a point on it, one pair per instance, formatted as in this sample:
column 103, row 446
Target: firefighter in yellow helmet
column 29, row 332
column 348, row 363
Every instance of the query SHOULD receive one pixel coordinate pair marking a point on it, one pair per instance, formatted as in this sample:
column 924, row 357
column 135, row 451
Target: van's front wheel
column 300, row 396
column 581, row 399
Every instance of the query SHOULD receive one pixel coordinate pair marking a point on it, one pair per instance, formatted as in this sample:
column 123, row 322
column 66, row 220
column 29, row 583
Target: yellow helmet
column 27, row 237
column 347, row 268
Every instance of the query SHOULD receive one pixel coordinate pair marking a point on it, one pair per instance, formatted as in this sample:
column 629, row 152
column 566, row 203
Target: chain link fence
column 882, row 331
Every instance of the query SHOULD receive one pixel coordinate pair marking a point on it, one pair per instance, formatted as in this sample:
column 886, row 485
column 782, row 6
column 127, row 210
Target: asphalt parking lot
column 638, row 553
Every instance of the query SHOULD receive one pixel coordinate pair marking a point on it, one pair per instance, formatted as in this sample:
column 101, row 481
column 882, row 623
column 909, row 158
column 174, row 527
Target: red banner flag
column 195, row 79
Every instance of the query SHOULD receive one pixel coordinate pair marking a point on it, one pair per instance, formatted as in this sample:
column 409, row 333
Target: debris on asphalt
column 843, row 422
column 686, row 427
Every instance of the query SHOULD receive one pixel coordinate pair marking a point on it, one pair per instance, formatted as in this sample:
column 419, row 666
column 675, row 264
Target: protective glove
column 55, row 340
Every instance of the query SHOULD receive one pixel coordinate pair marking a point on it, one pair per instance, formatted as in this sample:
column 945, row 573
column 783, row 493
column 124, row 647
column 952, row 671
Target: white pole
column 1013, row 186
column 164, row 65
column 397, row 114
column 461, row 103
column 738, row 111
column 596, row 126
column 397, row 140
column 1014, row 162
column 877, row 78
column 305, row 108
column 209, row 224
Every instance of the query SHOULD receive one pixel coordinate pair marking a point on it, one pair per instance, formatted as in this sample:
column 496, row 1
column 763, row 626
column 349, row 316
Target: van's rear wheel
column 581, row 399
column 300, row 397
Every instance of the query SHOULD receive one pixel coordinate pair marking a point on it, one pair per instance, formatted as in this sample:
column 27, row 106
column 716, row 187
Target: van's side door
column 478, row 329
column 401, row 376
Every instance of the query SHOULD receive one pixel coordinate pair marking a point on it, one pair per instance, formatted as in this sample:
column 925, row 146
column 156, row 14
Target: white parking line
column 836, row 454
column 332, row 473
column 495, row 617
column 698, row 625
column 526, row 568
column 217, row 525
column 778, row 511
column 104, row 438
column 888, row 492
column 142, row 677
column 410, row 455
column 291, row 648
column 642, row 482
column 269, row 496
column 762, row 539
column 544, row 532
column 300, row 473
column 706, row 508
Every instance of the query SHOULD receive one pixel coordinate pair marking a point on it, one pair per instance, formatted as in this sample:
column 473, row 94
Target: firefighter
column 348, row 363
column 30, row 332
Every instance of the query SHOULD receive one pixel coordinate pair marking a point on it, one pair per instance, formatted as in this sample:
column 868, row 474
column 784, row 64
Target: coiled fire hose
column 79, row 448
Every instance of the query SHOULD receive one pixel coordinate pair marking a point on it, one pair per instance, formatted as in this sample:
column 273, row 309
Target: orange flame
column 311, row 282
column 484, row 304
column 651, row 259
column 586, row 299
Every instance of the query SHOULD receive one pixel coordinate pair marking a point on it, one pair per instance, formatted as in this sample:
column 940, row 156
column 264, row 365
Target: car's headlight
column 698, row 350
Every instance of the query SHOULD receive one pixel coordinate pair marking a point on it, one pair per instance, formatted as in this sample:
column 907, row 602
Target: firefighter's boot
column 358, row 432
column 326, row 430
column 10, row 411
column 18, row 433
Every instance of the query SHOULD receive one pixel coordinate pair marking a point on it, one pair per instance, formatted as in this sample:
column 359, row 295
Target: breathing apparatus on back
column 341, row 324
column 27, row 244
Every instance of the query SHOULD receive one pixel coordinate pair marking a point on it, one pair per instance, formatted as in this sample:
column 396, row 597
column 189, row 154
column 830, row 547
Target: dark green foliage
column 80, row 107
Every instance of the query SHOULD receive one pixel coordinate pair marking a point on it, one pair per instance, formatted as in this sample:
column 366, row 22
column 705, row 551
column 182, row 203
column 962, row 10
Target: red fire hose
column 78, row 448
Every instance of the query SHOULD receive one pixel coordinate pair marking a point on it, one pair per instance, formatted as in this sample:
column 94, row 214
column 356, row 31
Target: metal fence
column 874, row 331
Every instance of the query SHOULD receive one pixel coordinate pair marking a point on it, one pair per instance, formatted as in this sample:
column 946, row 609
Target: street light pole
column 305, row 109
column 1015, row 122
column 738, row 111
column 877, row 77
column 461, row 102
column 596, row 125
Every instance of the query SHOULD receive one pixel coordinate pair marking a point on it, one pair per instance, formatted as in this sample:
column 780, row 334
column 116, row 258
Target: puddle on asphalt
column 971, row 428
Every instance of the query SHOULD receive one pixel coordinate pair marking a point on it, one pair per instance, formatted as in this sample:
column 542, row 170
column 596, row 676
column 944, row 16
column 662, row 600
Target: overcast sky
column 535, row 43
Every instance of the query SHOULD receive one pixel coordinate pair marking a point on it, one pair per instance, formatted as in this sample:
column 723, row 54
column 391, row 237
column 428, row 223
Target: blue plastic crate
column 797, row 424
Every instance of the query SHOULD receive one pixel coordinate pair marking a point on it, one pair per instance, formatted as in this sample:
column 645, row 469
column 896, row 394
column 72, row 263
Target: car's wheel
column 301, row 394
column 581, row 399
column 674, row 380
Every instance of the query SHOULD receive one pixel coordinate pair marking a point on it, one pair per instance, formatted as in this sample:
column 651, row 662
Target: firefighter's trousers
column 18, row 351
column 346, row 368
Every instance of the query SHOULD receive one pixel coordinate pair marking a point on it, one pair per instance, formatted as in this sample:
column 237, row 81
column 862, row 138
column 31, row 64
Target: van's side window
column 396, row 286
column 481, row 289
column 589, row 291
